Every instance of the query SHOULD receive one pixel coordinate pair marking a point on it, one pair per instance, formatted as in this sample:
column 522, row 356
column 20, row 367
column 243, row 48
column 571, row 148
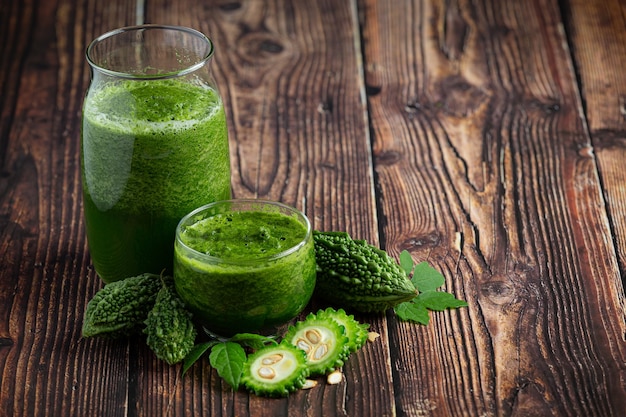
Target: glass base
column 215, row 336
column 269, row 331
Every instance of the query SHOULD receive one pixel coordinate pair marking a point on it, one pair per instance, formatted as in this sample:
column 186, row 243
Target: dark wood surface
column 486, row 137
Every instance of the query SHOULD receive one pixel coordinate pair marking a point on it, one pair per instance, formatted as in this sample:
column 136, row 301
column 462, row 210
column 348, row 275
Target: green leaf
column 253, row 340
column 439, row 300
column 406, row 262
column 228, row 359
column 426, row 278
column 196, row 353
column 415, row 312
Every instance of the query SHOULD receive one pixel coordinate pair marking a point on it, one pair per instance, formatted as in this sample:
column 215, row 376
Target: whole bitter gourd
column 120, row 308
column 171, row 333
column 358, row 276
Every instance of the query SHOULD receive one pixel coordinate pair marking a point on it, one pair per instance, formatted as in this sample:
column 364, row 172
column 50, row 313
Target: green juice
column 244, row 271
column 152, row 151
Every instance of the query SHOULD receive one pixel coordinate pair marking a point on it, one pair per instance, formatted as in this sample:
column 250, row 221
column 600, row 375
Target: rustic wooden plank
column 477, row 134
column 44, row 265
column 597, row 31
column 289, row 72
column 598, row 39
column 597, row 34
column 478, row 175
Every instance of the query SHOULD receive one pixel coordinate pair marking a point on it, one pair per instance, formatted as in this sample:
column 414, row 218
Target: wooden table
column 486, row 137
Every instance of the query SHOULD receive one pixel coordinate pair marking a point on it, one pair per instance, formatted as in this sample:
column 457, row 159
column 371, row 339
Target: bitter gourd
column 358, row 276
column 120, row 308
column 356, row 332
column 170, row 331
column 323, row 340
column 275, row 370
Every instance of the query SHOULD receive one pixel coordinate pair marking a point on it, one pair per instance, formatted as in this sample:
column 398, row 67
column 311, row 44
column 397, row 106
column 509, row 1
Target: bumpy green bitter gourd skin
column 120, row 308
column 358, row 276
column 323, row 340
column 275, row 370
column 170, row 331
column 356, row 332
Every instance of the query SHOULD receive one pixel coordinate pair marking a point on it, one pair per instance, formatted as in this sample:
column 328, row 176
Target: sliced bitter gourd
column 323, row 340
column 356, row 332
column 275, row 370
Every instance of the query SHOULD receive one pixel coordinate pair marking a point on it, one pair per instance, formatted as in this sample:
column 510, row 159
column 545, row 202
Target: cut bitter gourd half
column 275, row 370
column 356, row 332
column 323, row 340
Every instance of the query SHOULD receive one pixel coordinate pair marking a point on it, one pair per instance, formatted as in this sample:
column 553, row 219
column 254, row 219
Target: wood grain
column 596, row 30
column 477, row 133
column 44, row 265
column 485, row 137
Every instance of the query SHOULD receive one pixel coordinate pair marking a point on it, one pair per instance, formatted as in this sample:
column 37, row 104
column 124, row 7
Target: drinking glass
column 154, row 144
column 244, row 265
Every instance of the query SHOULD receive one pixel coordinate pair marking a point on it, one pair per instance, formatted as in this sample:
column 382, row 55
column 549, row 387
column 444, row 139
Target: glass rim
column 149, row 26
column 257, row 259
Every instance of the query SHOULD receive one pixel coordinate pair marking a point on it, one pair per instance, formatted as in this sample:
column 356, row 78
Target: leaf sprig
column 227, row 357
column 427, row 280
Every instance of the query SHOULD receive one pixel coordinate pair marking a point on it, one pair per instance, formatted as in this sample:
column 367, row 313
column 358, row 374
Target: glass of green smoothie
column 154, row 144
column 244, row 265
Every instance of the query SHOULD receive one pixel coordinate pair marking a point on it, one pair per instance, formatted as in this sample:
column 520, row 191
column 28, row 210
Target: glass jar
column 154, row 145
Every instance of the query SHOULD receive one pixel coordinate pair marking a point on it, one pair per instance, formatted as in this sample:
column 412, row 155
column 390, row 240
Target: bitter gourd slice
column 323, row 340
column 356, row 332
column 275, row 370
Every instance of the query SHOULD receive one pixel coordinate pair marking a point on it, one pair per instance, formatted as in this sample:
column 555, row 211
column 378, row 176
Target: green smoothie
column 151, row 152
column 244, row 271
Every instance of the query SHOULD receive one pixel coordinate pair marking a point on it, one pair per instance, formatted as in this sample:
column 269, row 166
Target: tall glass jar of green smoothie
column 154, row 145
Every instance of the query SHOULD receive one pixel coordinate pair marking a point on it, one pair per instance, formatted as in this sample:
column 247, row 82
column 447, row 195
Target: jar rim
column 144, row 27
column 243, row 262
